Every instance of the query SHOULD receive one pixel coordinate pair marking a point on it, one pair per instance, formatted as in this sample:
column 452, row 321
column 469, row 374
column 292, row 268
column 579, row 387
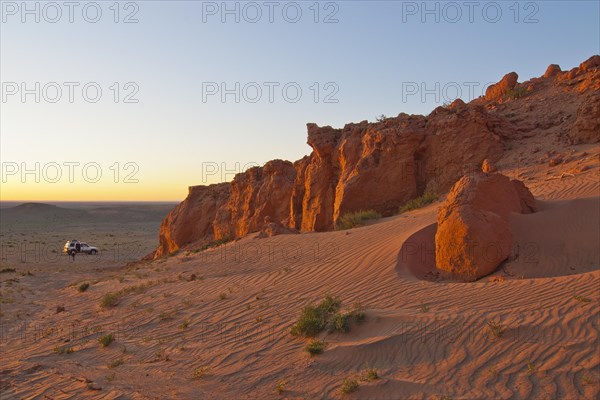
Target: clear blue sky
column 369, row 56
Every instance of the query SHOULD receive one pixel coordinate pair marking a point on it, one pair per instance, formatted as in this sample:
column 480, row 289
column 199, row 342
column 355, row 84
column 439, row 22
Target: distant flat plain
column 32, row 235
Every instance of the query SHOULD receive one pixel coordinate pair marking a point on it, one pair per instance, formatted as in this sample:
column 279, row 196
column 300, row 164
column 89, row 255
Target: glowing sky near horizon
column 179, row 53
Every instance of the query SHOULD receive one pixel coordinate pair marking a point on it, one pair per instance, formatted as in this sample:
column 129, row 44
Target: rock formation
column 473, row 235
column 192, row 220
column 552, row 70
column 255, row 194
column 498, row 90
column 488, row 167
column 384, row 164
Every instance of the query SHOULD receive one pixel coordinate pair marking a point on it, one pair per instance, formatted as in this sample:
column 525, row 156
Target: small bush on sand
column 370, row 374
column 315, row 346
column 349, row 386
column 326, row 315
column 315, row 318
column 581, row 299
column 358, row 218
column 201, row 372
column 112, row 299
column 280, row 387
column 517, row 92
column 496, row 328
column 216, row 243
column 339, row 323
column 419, row 202
column 83, row 287
column 109, row 300
column 357, row 312
column 63, row 350
column 106, row 340
column 116, row 363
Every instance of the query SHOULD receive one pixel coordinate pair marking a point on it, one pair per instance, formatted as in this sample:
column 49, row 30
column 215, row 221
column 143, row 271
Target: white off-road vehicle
column 75, row 246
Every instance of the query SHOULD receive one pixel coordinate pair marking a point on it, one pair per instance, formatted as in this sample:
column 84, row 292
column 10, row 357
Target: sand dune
column 224, row 334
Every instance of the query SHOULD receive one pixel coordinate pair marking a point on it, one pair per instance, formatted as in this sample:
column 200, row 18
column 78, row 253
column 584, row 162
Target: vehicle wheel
column 93, row 252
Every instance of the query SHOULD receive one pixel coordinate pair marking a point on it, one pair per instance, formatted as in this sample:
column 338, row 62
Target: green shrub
column 418, row 202
column 349, row 386
column 315, row 346
column 201, row 372
column 581, row 299
column 496, row 328
column 326, row 314
column 370, row 374
column 109, row 300
column 112, row 299
column 106, row 340
column 83, row 287
column 517, row 92
column 116, row 363
column 339, row 323
column 315, row 318
column 215, row 243
column 358, row 218
column 63, row 350
column 280, row 387
column 357, row 312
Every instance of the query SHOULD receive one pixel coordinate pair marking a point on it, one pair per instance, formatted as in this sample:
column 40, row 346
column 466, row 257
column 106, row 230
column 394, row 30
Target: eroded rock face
column 383, row 165
column 473, row 235
column 255, row 194
column 459, row 140
column 377, row 156
column 192, row 220
column 320, row 177
column 587, row 125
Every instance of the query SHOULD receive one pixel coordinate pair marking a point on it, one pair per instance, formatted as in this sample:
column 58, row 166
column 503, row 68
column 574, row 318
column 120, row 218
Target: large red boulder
column 473, row 235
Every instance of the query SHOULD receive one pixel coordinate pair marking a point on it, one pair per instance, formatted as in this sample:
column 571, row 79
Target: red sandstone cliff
column 382, row 165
